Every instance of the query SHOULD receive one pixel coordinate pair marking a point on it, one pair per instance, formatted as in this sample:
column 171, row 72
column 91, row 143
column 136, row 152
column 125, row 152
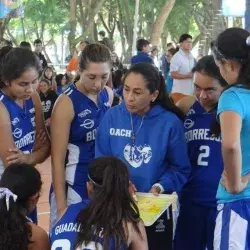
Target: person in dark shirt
column 48, row 98
column 143, row 50
column 105, row 40
column 38, row 52
column 25, row 45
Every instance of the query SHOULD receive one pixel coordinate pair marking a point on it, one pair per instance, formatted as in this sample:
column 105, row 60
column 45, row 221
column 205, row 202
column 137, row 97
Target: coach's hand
column 155, row 190
column 17, row 156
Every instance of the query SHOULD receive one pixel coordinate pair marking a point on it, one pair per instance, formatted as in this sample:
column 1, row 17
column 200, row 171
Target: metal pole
column 247, row 15
column 230, row 22
column 136, row 18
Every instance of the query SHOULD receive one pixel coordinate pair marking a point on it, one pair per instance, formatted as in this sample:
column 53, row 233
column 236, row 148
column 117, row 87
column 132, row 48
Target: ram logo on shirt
column 135, row 156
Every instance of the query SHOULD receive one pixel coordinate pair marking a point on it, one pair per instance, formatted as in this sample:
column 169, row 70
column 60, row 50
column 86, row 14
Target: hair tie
column 5, row 192
column 248, row 41
column 95, row 184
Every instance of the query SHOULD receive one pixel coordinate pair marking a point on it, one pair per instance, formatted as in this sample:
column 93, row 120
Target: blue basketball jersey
column 81, row 146
column 22, row 124
column 64, row 233
column 205, row 156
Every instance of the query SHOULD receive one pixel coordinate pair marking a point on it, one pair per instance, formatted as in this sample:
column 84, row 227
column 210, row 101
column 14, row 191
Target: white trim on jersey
column 72, row 196
column 73, row 160
column 1, row 168
column 68, row 92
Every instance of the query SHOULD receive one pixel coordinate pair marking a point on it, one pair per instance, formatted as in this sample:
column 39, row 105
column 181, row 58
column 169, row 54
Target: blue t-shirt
column 204, row 152
column 236, row 99
column 141, row 57
column 64, row 233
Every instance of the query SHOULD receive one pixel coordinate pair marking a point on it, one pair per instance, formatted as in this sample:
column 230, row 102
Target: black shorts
column 160, row 234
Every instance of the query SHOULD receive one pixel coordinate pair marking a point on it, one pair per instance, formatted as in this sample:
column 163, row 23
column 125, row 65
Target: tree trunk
column 126, row 25
column 3, row 26
column 164, row 40
column 93, row 10
column 160, row 21
column 12, row 38
column 72, row 25
column 23, row 29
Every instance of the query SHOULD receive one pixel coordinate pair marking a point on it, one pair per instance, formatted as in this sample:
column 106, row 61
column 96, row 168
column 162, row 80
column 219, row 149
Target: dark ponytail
column 111, row 207
column 24, row 181
column 233, row 44
column 155, row 81
column 94, row 53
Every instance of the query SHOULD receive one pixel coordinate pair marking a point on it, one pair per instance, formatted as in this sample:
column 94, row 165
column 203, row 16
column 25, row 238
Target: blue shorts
column 195, row 227
column 232, row 231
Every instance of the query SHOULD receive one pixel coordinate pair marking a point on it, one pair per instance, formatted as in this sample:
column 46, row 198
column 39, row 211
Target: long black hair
column 111, row 207
column 14, row 62
column 233, row 44
column 24, row 181
column 59, row 78
column 155, row 81
column 207, row 66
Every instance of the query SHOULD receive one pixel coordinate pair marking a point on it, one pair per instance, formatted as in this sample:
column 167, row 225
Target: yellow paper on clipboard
column 152, row 207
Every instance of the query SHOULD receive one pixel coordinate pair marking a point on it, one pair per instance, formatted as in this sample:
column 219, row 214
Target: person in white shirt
column 181, row 67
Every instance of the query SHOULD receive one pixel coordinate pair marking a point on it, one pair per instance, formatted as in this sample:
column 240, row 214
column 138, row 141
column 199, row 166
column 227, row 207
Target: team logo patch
column 220, row 207
column 17, row 133
column 88, row 124
column 135, row 156
column 188, row 123
column 190, row 112
column 15, row 121
column 107, row 104
column 84, row 113
column 32, row 110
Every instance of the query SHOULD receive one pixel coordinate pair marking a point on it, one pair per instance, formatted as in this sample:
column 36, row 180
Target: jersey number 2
column 204, row 154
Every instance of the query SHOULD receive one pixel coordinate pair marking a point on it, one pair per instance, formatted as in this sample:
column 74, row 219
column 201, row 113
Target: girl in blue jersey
column 75, row 118
column 198, row 196
column 109, row 221
column 231, row 52
column 20, row 188
column 147, row 134
column 22, row 131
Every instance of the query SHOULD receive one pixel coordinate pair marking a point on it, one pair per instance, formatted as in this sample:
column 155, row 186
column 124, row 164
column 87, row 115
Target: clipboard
column 152, row 207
